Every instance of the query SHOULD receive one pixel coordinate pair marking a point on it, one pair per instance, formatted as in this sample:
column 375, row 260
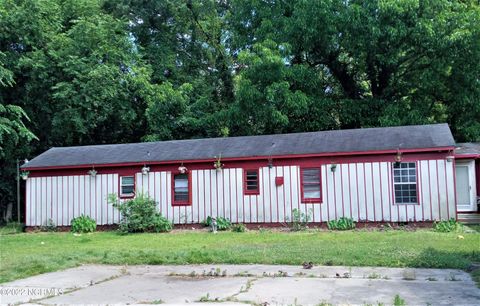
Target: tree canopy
column 78, row 72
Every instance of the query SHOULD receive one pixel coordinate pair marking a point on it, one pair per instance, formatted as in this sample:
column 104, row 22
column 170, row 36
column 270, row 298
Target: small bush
column 223, row 224
column 239, row 228
column 447, row 226
column 140, row 215
column 300, row 220
column 83, row 224
column 161, row 224
column 341, row 224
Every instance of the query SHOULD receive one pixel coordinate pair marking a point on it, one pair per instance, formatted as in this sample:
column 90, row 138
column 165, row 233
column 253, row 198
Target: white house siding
column 362, row 191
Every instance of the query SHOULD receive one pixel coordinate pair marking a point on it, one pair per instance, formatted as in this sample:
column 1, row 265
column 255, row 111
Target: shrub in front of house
column 83, row 224
column 341, row 224
column 223, row 224
column 239, row 228
column 140, row 215
column 300, row 219
column 161, row 224
column 449, row 226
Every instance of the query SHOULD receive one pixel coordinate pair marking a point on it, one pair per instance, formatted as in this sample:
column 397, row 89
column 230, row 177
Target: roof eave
column 25, row 167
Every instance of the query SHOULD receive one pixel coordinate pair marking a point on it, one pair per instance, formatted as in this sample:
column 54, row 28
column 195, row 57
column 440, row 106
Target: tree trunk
column 7, row 215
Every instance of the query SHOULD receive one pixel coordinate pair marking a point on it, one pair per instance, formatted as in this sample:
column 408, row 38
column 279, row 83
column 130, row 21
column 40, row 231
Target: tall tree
column 384, row 62
column 76, row 73
column 183, row 43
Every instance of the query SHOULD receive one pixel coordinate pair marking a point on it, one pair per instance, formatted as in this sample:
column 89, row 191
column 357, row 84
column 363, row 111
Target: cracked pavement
column 240, row 284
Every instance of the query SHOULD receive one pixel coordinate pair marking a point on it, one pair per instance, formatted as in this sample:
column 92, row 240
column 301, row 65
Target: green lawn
column 27, row 254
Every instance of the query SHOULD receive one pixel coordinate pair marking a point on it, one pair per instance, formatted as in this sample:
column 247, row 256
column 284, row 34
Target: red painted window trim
column 128, row 196
column 181, row 203
column 251, row 192
column 416, row 185
column 311, row 200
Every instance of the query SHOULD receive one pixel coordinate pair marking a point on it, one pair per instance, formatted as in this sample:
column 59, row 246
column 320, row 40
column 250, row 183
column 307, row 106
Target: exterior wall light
column 182, row 169
column 398, row 157
column 92, row 172
column 145, row 170
column 450, row 158
column 24, row 175
column 217, row 164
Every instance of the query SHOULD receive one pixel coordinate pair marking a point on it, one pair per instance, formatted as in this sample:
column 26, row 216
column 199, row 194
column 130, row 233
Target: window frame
column 245, row 190
column 318, row 200
column 188, row 202
column 120, row 185
column 417, row 182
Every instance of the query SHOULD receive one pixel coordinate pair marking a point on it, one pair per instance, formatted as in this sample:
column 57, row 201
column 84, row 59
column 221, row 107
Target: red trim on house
column 373, row 193
column 467, row 156
column 266, row 158
column 245, row 190
column 381, row 190
column 430, row 190
column 358, row 192
column 258, row 163
column 302, row 196
column 477, row 176
column 327, row 196
column 189, row 179
column 125, row 196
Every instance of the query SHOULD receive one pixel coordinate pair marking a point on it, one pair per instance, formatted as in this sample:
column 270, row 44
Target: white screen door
column 465, row 184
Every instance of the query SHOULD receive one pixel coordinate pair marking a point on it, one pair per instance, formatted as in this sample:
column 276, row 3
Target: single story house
column 391, row 174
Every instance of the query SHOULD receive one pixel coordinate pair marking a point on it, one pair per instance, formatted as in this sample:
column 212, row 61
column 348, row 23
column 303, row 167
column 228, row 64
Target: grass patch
column 28, row 254
column 11, row 228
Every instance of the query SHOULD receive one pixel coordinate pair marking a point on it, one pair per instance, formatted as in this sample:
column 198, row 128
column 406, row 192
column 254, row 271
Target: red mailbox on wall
column 279, row 181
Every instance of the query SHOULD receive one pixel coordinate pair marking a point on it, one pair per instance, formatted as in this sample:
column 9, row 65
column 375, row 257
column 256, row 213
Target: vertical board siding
column 362, row 191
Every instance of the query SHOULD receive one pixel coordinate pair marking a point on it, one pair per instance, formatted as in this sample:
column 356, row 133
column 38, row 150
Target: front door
column 465, row 181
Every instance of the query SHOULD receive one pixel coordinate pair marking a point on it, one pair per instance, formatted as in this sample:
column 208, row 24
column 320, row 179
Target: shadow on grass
column 433, row 258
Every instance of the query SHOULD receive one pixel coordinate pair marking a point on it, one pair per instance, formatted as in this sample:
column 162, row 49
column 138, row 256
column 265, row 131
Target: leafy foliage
column 140, row 215
column 398, row 301
column 114, row 71
column 447, row 226
column 300, row 220
column 83, row 224
column 342, row 224
column 11, row 228
column 239, row 228
column 223, row 224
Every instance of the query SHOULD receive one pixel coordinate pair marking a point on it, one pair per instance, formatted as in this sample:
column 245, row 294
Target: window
column 127, row 186
column 181, row 189
column 250, row 184
column 311, row 185
column 405, row 183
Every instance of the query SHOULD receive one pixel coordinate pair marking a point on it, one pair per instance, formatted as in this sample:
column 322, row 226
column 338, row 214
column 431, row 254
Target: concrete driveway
column 240, row 284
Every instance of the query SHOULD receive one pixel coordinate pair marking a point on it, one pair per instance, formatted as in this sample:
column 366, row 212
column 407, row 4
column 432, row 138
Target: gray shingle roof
column 355, row 140
column 468, row 148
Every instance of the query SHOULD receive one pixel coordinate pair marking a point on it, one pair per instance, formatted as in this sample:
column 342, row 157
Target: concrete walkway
column 239, row 284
